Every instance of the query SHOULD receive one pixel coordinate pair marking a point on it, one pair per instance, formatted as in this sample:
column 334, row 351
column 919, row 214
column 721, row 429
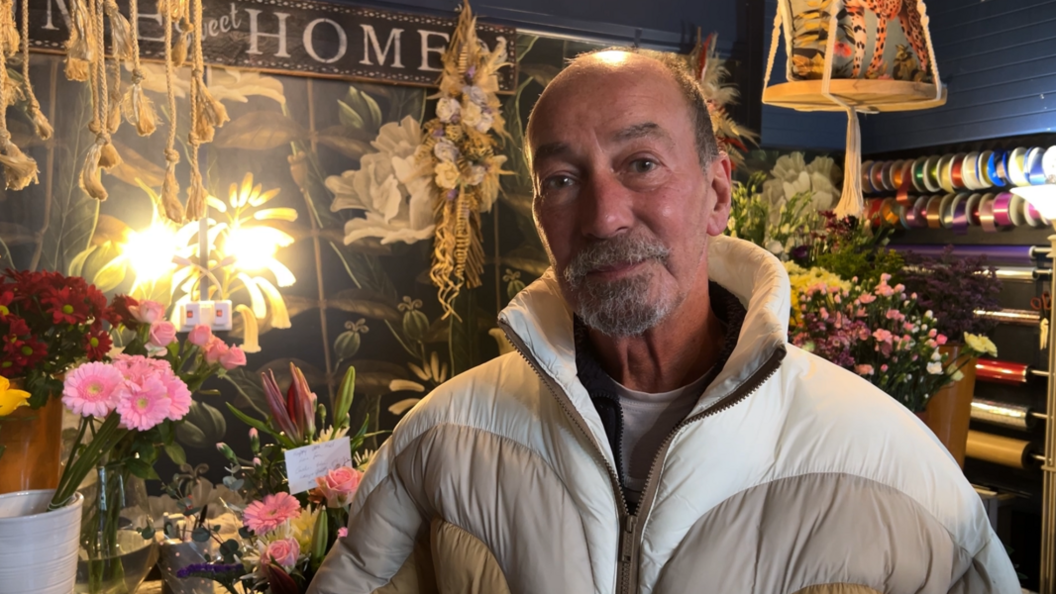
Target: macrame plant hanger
column 852, row 96
column 20, row 169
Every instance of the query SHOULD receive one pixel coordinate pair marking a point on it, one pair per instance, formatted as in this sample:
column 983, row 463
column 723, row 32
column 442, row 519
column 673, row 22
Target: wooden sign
column 299, row 37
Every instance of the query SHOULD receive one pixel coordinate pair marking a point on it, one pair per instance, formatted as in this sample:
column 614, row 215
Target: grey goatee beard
column 623, row 307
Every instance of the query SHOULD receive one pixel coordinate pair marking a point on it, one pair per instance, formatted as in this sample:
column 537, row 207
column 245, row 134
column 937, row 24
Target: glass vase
column 114, row 557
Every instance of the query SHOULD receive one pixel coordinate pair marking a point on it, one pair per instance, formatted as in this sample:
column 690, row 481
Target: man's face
column 622, row 202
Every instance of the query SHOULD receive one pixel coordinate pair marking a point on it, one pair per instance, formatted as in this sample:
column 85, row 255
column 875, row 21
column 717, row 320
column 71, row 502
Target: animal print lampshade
column 875, row 39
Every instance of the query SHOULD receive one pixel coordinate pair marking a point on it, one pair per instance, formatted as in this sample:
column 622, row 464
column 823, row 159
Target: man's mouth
column 614, row 271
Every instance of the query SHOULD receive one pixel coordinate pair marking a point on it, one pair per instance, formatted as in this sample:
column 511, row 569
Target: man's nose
column 607, row 207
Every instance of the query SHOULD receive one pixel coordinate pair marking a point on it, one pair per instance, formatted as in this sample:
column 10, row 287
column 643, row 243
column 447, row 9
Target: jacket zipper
column 630, row 528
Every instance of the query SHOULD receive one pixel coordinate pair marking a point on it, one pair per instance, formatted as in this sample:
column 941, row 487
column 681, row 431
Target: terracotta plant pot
column 33, row 439
column 950, row 409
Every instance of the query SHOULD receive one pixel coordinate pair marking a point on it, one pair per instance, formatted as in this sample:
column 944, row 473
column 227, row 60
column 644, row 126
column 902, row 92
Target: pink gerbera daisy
column 264, row 516
column 91, row 389
column 143, row 405
column 137, row 368
column 179, row 395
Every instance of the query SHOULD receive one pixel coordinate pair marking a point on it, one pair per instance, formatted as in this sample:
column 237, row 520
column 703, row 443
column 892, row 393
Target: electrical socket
column 215, row 314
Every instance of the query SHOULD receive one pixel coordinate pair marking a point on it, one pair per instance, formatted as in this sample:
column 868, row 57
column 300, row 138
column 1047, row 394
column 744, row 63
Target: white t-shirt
column 647, row 420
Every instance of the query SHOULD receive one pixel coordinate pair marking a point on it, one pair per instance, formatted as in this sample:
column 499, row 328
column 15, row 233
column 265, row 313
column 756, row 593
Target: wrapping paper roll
column 1005, row 414
column 1001, row 372
column 1016, row 317
column 1014, row 453
column 1022, row 255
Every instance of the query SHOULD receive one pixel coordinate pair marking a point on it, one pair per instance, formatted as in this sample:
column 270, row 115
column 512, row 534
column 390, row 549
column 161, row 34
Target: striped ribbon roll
column 959, row 208
column 1015, row 167
column 1001, row 168
column 987, row 220
column 970, row 172
column 1032, row 166
column 1002, row 372
column 1003, row 209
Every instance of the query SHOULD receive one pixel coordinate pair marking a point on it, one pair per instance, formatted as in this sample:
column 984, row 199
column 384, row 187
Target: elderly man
column 655, row 431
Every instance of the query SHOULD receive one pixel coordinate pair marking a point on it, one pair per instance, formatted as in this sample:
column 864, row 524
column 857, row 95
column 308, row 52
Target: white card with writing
column 304, row 464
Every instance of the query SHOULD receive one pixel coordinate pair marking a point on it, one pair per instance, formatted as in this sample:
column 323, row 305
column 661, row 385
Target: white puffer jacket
column 790, row 475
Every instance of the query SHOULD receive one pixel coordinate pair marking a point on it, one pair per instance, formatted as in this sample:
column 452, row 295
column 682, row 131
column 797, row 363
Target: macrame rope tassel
column 170, row 188
column 851, row 202
column 19, row 169
column 79, row 46
column 40, row 122
column 138, row 108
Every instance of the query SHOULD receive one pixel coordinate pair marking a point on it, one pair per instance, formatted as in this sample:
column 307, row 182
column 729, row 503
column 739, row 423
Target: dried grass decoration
column 19, row 169
column 711, row 72
column 459, row 149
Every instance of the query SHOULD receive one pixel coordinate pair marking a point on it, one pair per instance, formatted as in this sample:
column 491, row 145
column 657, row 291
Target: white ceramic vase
column 38, row 548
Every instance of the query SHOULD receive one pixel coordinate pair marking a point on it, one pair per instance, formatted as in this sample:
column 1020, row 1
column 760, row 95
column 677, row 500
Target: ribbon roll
column 1048, row 164
column 959, row 210
column 902, row 196
column 1005, row 451
column 932, row 212
column 1015, row 167
column 867, row 185
column 931, row 174
column 1016, row 208
column 1005, row 414
column 946, row 211
column 984, row 167
column 1001, row 372
column 970, row 172
column 1001, row 168
column 916, row 214
column 917, row 169
column 877, row 176
column 1002, row 209
column 885, row 176
column 1031, row 216
column 873, row 213
column 898, row 169
column 956, row 171
column 1032, row 166
column 972, row 208
column 945, row 179
column 889, row 212
column 987, row 220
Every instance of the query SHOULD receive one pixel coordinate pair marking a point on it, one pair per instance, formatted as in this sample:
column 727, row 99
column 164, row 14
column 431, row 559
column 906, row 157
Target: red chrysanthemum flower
column 119, row 314
column 66, row 308
column 97, row 345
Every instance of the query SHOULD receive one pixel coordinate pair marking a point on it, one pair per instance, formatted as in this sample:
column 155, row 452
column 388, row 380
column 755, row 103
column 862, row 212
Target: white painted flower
column 225, row 85
column 394, row 193
column 476, row 175
column 476, row 95
column 447, row 109
column 446, row 151
column 446, row 175
column 487, row 119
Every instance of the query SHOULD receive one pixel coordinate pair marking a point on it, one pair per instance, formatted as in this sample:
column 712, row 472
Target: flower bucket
column 950, row 409
column 33, row 442
column 38, row 548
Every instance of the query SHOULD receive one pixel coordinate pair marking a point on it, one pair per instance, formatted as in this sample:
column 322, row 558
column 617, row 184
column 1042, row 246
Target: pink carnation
column 882, row 335
column 941, row 339
column 142, row 406
column 867, row 298
column 342, row 532
column 91, row 389
column 264, row 516
column 883, row 368
column 894, row 314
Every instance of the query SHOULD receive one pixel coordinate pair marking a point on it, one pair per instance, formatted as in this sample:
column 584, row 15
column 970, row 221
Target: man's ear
column 722, row 187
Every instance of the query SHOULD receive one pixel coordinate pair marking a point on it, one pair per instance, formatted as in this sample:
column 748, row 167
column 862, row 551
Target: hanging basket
column 843, row 56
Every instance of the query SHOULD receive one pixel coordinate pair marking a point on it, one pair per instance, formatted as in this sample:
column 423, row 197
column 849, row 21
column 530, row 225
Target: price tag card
column 304, row 464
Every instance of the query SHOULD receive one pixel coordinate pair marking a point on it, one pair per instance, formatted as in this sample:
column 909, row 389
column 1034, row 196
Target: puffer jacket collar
column 540, row 323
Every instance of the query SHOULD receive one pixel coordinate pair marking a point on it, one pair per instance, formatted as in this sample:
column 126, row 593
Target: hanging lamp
column 812, row 31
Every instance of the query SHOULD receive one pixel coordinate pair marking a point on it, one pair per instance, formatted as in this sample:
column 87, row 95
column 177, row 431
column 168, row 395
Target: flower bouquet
column 880, row 333
column 284, row 536
column 130, row 406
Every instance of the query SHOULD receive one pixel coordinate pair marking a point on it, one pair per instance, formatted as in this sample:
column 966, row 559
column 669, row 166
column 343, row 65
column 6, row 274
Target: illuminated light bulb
column 150, row 252
column 254, row 247
column 1041, row 197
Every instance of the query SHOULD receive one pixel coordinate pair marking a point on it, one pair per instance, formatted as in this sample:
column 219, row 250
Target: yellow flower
column 980, row 344
column 303, row 525
column 801, row 279
column 446, row 175
column 10, row 398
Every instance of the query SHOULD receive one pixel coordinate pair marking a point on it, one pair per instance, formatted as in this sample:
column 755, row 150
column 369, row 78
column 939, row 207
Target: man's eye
column 556, row 182
column 643, row 165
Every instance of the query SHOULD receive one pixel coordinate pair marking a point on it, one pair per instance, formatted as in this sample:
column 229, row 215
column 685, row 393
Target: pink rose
column 214, row 350
column 200, row 335
column 147, row 312
column 162, row 334
column 283, row 552
column 234, row 357
column 339, row 486
column 342, row 532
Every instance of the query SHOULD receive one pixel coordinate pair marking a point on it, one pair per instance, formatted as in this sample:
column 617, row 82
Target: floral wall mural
column 320, row 232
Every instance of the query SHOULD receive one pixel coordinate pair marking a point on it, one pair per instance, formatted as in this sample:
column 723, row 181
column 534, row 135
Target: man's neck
column 672, row 354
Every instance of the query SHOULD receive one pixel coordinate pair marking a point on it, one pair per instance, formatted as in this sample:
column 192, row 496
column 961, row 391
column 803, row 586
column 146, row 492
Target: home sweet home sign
column 299, row 37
